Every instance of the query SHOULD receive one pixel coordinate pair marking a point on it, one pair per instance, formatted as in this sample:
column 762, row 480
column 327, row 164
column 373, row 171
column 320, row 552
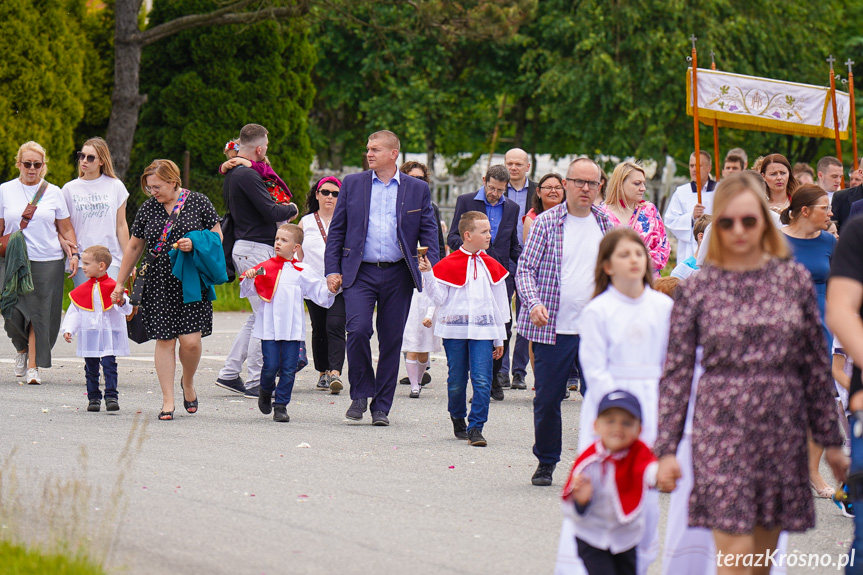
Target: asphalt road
column 230, row 491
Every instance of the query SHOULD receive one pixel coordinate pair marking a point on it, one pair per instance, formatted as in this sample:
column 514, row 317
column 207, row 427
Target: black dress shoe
column 265, row 401
column 475, row 438
column 518, row 381
column 94, row 405
column 357, row 409
column 111, row 404
column 542, row 475
column 280, row 414
column 426, row 379
column 459, row 427
column 405, row 381
column 502, row 379
column 497, row 393
column 379, row 418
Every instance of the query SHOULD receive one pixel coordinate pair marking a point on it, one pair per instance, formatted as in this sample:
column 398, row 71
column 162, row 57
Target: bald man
column 522, row 191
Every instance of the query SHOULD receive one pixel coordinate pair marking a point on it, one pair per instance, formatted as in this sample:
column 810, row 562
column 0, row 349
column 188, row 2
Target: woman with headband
column 328, row 324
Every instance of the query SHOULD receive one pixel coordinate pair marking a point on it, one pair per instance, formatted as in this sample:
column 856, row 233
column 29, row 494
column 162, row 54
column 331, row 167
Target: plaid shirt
column 538, row 275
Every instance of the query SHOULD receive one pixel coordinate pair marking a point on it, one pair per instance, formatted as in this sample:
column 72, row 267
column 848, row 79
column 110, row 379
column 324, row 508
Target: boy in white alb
column 469, row 291
column 99, row 325
column 280, row 323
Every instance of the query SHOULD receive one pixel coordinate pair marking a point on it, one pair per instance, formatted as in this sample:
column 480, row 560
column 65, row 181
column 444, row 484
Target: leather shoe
column 280, row 414
column 518, row 381
column 542, row 475
column 475, row 438
column 502, row 379
column 357, row 409
column 459, row 427
column 265, row 401
column 379, row 418
column 497, row 393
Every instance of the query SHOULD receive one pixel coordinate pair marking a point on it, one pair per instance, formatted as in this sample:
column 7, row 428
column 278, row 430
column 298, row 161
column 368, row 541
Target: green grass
column 227, row 297
column 20, row 560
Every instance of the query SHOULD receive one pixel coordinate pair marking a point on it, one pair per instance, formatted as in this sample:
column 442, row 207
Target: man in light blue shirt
column 382, row 244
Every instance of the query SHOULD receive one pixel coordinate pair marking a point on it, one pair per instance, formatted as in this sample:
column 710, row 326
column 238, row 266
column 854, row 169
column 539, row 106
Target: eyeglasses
column 748, row 222
column 823, row 206
column 33, row 165
column 328, row 193
column 89, row 157
column 579, row 184
column 152, row 189
column 552, row 188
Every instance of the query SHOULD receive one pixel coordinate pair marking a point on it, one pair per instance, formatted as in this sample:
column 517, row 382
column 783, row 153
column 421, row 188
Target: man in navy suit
column 505, row 246
column 371, row 253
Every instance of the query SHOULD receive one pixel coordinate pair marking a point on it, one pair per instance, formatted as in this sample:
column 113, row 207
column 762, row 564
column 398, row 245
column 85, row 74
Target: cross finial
column 849, row 63
column 713, row 56
column 831, row 59
column 693, row 39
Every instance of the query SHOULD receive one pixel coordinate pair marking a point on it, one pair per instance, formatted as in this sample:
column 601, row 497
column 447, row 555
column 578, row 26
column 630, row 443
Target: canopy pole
column 715, row 128
column 694, row 59
column 849, row 63
column 830, row 60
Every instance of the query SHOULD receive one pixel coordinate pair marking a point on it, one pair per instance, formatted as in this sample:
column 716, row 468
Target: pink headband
column 332, row 179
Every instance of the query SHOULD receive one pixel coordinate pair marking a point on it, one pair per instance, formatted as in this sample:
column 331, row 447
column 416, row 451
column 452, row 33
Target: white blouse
column 284, row 317
column 101, row 332
column 43, row 245
column 314, row 245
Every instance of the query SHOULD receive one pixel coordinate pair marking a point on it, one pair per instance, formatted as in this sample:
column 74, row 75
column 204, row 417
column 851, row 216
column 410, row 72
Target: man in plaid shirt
column 561, row 251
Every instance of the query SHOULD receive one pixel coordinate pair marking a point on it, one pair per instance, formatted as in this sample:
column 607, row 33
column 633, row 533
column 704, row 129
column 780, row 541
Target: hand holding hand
column 67, row 337
column 117, row 296
column 697, row 211
column 668, row 473
column 427, row 322
column 539, row 316
column 582, row 490
column 498, row 352
column 425, row 264
column 334, row 282
column 73, row 266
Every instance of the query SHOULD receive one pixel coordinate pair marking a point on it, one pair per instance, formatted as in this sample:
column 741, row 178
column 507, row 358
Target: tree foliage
column 203, row 85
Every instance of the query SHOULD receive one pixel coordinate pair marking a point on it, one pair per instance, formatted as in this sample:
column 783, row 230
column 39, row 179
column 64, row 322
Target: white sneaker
column 20, row 364
column 33, row 376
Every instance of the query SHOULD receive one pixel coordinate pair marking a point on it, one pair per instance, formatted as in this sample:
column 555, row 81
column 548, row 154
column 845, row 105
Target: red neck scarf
column 82, row 296
column 267, row 283
column 454, row 269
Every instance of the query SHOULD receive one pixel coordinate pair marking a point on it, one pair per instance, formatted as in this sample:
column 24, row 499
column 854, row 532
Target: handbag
column 135, row 324
column 28, row 214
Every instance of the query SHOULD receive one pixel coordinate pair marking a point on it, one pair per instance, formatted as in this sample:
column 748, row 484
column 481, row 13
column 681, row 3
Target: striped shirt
column 538, row 275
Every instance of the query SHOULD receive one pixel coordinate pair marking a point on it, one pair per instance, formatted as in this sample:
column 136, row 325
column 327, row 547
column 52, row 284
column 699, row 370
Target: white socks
column 414, row 373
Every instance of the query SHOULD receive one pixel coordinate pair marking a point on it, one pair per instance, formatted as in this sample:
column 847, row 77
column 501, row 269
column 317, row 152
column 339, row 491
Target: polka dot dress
column 164, row 313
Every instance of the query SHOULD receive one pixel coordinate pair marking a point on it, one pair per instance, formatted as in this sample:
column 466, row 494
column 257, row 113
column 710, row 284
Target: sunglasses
column 328, row 193
column 748, row 222
column 33, row 165
column 89, row 157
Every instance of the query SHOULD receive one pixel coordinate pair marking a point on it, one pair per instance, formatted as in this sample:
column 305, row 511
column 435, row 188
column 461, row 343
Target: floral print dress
column 647, row 222
column 766, row 382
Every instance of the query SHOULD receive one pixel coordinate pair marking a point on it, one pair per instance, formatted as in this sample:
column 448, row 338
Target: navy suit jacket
column 842, row 202
column 505, row 246
column 346, row 239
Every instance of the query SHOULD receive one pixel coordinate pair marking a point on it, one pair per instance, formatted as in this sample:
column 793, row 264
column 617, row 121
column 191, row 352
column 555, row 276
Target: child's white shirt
column 100, row 332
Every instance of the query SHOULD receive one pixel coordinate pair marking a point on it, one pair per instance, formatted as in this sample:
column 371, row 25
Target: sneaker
column 253, row 392
column 475, row 438
column 459, row 427
column 518, row 381
column 94, row 405
column 426, row 379
column 33, row 376
column 280, row 414
column 357, row 409
column 112, row 404
column 235, row 385
column 503, row 379
column 335, row 384
column 20, row 364
column 840, row 498
column 323, row 382
column 265, row 401
column 542, row 475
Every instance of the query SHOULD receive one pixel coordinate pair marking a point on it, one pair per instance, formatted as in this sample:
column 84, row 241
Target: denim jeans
column 856, row 467
column 280, row 358
column 472, row 356
column 91, row 371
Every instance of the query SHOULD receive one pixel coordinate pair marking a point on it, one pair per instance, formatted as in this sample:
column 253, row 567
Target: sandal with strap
column 189, row 405
column 166, row 415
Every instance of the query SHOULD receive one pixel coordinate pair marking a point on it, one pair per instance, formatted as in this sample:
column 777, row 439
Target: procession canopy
column 750, row 103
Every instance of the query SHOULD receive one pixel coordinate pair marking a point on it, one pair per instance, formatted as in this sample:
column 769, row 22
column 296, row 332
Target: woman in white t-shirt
column 97, row 204
column 34, row 323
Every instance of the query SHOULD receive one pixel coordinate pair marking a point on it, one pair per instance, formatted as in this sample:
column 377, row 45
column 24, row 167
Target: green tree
column 45, row 74
column 203, row 85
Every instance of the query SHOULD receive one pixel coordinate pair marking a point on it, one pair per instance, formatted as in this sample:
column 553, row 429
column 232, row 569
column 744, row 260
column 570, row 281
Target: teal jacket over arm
column 202, row 268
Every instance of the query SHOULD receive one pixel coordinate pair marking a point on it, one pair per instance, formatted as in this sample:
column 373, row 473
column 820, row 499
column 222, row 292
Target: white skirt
column 417, row 337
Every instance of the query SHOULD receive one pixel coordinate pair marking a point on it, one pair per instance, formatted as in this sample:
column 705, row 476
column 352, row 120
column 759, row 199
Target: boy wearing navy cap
column 604, row 494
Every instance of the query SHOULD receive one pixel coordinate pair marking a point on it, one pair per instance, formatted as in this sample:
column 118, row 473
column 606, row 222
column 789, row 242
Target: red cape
column 82, row 296
column 453, row 270
column 629, row 476
column 267, row 283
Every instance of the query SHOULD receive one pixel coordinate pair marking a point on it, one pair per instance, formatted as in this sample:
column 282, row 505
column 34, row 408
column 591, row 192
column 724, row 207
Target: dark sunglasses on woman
column 89, row 157
column 748, row 222
column 33, row 165
column 328, row 193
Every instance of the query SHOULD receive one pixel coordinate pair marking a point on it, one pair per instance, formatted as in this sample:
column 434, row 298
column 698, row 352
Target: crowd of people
column 725, row 383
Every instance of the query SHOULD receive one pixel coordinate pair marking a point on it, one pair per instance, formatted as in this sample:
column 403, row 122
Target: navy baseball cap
column 621, row 400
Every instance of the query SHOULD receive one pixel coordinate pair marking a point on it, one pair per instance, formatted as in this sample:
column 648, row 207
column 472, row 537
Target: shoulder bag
column 28, row 214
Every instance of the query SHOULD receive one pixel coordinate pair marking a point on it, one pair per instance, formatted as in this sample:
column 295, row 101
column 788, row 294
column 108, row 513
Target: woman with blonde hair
column 753, row 313
column 165, row 219
column 625, row 205
column 97, row 203
column 33, row 322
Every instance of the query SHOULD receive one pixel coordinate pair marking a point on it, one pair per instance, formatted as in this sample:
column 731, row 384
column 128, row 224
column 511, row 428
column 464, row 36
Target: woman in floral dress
column 766, row 381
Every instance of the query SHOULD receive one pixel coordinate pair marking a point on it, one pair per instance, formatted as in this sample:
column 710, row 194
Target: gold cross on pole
column 849, row 63
column 693, row 39
column 831, row 59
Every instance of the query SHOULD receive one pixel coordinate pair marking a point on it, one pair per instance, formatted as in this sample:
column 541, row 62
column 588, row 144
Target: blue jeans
column 91, row 371
column 280, row 358
column 472, row 356
column 857, row 542
column 552, row 365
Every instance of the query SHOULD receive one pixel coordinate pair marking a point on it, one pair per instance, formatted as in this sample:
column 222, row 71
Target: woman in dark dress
column 166, row 318
column 766, row 381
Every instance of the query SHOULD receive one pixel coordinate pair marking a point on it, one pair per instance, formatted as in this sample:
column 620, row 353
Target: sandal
column 166, row 415
column 825, row 493
column 191, row 406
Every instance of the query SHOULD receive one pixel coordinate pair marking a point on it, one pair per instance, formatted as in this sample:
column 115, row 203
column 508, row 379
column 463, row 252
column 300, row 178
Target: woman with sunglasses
column 328, row 324
column 34, row 322
column 766, row 380
column 807, row 218
column 97, row 203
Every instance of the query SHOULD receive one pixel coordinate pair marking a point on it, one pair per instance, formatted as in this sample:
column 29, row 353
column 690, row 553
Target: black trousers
column 604, row 562
column 328, row 335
